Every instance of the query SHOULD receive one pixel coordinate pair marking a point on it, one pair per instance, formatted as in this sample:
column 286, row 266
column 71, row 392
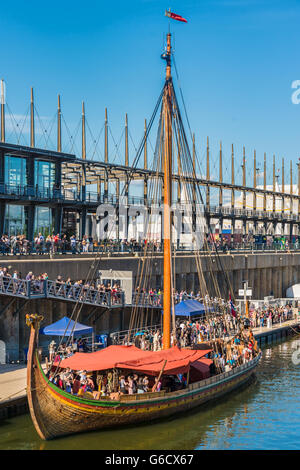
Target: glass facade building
column 23, row 177
column 39, row 192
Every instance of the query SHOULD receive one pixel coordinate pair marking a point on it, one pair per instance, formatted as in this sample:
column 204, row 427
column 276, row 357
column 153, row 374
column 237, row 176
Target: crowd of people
column 63, row 351
column 108, row 384
column 214, row 326
column 66, row 288
column 100, row 384
column 50, row 244
column 187, row 333
column 154, row 297
column 63, row 244
column 225, row 355
column 240, row 349
column 269, row 315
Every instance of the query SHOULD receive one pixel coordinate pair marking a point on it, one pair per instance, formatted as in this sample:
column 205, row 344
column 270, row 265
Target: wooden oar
column 160, row 374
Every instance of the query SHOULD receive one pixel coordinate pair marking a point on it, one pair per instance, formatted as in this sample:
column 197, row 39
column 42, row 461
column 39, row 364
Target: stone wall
column 265, row 272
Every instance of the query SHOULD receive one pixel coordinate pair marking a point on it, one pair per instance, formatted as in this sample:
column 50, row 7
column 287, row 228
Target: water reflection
column 263, row 415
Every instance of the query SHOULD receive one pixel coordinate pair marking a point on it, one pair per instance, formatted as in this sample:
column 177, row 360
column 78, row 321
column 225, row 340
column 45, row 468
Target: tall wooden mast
column 167, row 192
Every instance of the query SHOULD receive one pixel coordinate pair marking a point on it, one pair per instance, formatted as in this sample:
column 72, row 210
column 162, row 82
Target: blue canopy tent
column 190, row 308
column 59, row 328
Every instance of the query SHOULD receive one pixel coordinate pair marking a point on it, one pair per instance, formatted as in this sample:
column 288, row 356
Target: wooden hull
column 57, row 413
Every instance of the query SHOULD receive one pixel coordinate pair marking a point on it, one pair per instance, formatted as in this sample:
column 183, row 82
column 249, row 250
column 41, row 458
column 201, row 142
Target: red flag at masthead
column 174, row 16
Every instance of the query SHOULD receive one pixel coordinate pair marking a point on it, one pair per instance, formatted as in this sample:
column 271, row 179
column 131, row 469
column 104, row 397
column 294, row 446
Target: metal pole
column 244, row 178
column 145, row 166
column 254, row 182
column 265, row 182
column 32, row 137
column 220, row 177
column 232, row 190
column 106, row 154
column 291, row 187
column 274, row 186
column 207, row 175
column 2, row 112
column 126, row 141
column 282, row 190
column 83, row 146
column 58, row 126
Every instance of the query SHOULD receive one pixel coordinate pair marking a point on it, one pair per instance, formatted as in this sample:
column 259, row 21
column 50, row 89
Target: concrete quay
column 13, row 400
column 266, row 335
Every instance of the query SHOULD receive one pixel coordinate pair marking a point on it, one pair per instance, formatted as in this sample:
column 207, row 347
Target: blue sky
column 236, row 61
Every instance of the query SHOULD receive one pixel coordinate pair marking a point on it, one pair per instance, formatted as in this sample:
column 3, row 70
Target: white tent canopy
column 293, row 291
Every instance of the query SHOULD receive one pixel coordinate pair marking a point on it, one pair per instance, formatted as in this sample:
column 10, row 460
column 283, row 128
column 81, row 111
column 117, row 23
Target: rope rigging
column 186, row 169
column 94, row 267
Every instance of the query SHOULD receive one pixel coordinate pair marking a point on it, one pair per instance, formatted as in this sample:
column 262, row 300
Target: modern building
column 30, row 190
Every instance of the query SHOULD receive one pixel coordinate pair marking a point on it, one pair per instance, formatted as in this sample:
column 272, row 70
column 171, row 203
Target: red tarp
column 203, row 366
column 106, row 358
column 132, row 358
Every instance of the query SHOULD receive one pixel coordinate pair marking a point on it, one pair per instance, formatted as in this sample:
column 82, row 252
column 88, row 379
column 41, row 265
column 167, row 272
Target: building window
column 15, row 220
column 44, row 175
column 43, row 221
column 15, row 171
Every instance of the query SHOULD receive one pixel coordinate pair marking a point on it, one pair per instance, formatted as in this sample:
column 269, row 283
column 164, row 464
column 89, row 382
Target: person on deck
column 51, row 350
column 157, row 385
column 130, row 386
column 146, row 383
column 82, row 375
column 140, row 386
column 123, row 385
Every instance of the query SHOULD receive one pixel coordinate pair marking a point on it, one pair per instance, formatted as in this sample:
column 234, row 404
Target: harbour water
column 263, row 415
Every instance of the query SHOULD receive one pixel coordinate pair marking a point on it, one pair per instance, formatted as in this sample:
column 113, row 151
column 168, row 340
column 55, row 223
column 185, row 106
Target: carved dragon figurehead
column 34, row 320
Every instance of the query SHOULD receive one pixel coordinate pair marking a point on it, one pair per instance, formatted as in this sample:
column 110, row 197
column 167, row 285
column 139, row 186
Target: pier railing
column 46, row 288
column 20, row 288
column 137, row 249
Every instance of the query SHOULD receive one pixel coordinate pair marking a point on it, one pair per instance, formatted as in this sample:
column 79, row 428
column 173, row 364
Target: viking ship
column 56, row 412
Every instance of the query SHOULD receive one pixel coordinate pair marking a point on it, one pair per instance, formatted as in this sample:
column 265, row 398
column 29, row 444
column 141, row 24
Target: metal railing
column 20, row 288
column 119, row 248
column 52, row 289
column 79, row 293
column 128, row 336
column 147, row 300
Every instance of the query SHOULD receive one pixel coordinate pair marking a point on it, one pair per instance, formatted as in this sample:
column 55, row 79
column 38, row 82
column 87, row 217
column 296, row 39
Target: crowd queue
column 62, row 244
column 187, row 333
column 77, row 289
column 58, row 243
column 269, row 315
column 217, row 325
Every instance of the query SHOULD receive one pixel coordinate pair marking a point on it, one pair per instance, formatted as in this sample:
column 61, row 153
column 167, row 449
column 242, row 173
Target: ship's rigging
column 171, row 155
